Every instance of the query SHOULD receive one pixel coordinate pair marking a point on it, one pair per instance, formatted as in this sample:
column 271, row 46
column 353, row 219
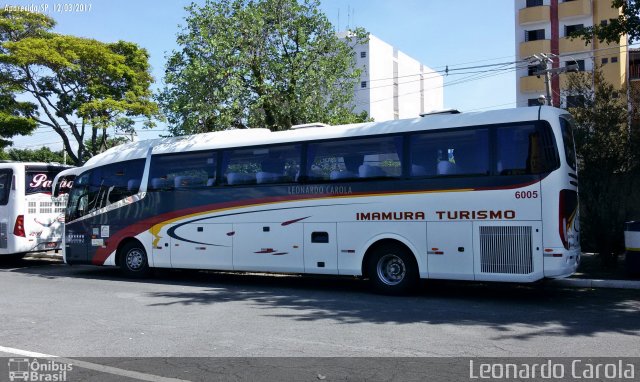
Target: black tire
column 133, row 260
column 392, row 269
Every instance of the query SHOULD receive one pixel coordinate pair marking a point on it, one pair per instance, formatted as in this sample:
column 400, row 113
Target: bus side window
column 377, row 157
column 5, row 186
column 454, row 152
column 182, row 170
column 262, row 165
column 523, row 150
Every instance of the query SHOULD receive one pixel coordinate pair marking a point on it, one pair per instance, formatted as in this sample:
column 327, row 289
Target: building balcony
column 577, row 45
column 534, row 15
column 532, row 84
column 574, row 8
column 529, row 48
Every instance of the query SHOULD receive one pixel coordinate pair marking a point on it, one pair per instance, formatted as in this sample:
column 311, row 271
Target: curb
column 597, row 283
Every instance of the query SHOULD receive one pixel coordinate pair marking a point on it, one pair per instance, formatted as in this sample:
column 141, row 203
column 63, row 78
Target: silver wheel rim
column 134, row 259
column 391, row 269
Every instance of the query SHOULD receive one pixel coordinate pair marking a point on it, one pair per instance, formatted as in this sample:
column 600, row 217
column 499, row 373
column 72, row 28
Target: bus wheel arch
column 391, row 266
column 132, row 258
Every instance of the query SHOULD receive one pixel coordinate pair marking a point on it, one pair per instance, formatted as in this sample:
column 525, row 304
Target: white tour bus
column 477, row 196
column 30, row 219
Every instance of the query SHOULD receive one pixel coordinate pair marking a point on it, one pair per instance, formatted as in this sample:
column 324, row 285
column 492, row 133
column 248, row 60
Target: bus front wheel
column 133, row 260
column 392, row 270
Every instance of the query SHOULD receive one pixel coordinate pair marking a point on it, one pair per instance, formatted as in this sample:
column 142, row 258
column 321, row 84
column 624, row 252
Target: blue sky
column 438, row 33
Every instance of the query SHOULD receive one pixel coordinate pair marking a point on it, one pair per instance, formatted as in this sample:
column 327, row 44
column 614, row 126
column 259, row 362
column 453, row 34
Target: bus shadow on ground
column 515, row 311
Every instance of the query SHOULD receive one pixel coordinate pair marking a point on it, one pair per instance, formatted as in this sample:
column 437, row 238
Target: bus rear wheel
column 133, row 260
column 392, row 270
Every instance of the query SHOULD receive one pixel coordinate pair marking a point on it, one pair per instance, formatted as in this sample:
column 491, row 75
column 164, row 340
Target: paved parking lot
column 85, row 311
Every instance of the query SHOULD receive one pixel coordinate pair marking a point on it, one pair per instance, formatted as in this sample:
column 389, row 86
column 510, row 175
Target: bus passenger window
column 182, row 170
column 262, row 165
column 525, row 149
column 454, row 152
column 355, row 159
column 5, row 186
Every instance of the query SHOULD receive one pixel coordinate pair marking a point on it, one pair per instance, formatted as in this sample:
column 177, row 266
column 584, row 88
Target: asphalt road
column 84, row 311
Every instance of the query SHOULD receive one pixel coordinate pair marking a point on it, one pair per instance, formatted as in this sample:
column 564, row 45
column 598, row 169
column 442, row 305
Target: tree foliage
column 259, row 63
column 43, row 154
column 81, row 86
column 609, row 161
column 16, row 118
column 627, row 23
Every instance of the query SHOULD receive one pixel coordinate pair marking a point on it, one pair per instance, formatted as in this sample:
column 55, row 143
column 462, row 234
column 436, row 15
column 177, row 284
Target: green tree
column 608, row 161
column 81, row 86
column 627, row 23
column 259, row 63
column 43, row 154
column 16, row 118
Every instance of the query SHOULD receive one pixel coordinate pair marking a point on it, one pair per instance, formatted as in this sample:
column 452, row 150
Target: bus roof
column 260, row 136
column 17, row 164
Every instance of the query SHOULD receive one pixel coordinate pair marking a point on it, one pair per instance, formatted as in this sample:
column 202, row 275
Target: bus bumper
column 561, row 263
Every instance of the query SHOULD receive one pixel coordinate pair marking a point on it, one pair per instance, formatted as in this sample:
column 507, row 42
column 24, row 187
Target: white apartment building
column 394, row 85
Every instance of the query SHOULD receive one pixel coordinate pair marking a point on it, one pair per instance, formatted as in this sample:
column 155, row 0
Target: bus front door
column 77, row 239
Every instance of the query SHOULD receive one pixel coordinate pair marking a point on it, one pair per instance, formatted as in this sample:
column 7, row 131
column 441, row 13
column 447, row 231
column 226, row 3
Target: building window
column 580, row 64
column 605, row 60
column 614, row 60
column 363, row 54
column 568, row 29
column 604, row 23
column 363, row 84
column 534, row 3
column 534, row 35
column 532, row 69
column 533, row 102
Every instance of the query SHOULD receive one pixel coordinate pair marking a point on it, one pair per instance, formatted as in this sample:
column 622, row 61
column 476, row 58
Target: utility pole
column 545, row 67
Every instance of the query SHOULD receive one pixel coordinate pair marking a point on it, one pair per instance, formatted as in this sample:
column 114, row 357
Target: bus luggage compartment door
column 450, row 250
column 268, row 247
column 202, row 246
column 320, row 248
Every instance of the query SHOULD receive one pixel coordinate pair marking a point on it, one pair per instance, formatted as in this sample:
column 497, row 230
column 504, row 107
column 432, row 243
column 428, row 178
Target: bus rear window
column 566, row 127
column 39, row 182
column 5, row 186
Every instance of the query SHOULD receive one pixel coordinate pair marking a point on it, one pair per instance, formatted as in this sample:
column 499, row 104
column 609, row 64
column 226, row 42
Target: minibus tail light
column 18, row 228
